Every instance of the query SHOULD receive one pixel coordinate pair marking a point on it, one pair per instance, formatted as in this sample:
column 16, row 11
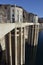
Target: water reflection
column 39, row 57
column 30, row 54
column 34, row 55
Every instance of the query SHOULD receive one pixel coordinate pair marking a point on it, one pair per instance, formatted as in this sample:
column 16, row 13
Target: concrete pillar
column 20, row 43
column 36, row 34
column 29, row 35
column 10, row 49
column 35, row 19
column 15, row 47
column 18, row 46
column 21, row 48
column 32, row 35
column 24, row 44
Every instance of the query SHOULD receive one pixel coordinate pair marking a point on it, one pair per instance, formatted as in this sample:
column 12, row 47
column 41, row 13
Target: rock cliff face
column 5, row 13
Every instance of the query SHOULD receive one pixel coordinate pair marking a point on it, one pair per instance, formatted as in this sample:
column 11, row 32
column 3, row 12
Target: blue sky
column 34, row 6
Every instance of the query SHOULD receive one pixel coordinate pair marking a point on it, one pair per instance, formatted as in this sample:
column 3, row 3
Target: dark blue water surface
column 34, row 55
column 39, row 57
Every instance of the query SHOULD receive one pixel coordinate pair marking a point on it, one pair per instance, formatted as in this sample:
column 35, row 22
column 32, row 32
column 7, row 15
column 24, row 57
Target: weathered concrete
column 33, row 35
column 15, row 41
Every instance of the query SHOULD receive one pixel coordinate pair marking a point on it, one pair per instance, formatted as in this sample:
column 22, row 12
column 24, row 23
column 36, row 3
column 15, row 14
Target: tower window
column 13, row 10
column 5, row 7
column 12, row 15
column 13, row 20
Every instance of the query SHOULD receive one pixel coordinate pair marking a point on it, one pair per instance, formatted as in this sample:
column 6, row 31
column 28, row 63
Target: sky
column 31, row 6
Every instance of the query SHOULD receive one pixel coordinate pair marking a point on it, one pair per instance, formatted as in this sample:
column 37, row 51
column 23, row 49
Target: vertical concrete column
column 29, row 32
column 15, row 46
column 36, row 34
column 24, row 45
column 32, row 37
column 10, row 48
column 21, row 48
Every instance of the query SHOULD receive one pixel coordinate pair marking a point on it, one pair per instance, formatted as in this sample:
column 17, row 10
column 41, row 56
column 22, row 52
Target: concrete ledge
column 7, row 27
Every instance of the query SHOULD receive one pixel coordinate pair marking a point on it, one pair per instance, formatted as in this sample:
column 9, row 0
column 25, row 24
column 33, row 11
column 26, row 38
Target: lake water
column 34, row 55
